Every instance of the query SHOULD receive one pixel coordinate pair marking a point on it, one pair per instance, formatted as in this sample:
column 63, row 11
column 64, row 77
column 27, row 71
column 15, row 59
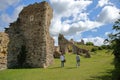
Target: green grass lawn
column 98, row 67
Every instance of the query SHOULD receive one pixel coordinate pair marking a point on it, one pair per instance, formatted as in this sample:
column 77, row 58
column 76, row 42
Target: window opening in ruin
column 31, row 18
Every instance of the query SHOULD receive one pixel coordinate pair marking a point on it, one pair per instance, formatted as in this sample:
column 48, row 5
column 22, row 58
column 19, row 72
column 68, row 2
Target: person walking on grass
column 62, row 58
column 77, row 60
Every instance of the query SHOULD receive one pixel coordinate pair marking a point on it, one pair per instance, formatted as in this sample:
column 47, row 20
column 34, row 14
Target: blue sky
column 90, row 20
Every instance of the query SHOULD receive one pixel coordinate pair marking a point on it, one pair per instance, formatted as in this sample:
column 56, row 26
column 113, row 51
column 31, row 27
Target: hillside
column 87, row 47
column 98, row 67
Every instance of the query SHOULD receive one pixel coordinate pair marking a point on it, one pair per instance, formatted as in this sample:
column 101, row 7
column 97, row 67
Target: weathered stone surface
column 57, row 52
column 69, row 46
column 3, row 50
column 30, row 42
column 80, row 43
column 63, row 44
column 81, row 51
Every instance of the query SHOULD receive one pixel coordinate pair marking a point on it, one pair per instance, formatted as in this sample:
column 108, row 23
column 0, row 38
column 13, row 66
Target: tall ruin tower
column 30, row 43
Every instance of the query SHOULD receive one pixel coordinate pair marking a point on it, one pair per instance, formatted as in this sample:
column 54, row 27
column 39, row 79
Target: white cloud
column 6, row 18
column 109, row 14
column 68, row 15
column 70, row 22
column 81, row 16
column 82, row 26
column 17, row 10
column 56, row 40
column 98, row 41
column 70, row 29
column 5, row 3
column 101, row 3
column 73, row 21
column 63, row 7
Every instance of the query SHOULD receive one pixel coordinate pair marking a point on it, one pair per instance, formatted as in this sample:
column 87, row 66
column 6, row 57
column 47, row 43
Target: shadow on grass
column 62, row 67
column 54, row 68
column 107, row 76
column 71, row 67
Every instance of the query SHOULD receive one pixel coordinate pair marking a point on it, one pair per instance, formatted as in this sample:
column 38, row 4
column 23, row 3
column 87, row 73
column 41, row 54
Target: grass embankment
column 96, row 68
column 87, row 47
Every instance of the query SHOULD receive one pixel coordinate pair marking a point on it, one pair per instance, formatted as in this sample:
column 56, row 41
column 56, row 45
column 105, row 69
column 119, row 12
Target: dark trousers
column 62, row 63
column 78, row 63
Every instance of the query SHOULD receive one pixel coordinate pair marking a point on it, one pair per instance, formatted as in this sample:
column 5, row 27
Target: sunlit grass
column 97, row 67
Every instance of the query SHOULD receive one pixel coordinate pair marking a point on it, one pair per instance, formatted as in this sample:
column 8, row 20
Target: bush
column 90, row 43
column 100, row 48
column 105, row 47
column 94, row 49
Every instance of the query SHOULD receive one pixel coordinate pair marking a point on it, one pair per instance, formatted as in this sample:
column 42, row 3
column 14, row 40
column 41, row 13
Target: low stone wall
column 69, row 46
column 84, row 52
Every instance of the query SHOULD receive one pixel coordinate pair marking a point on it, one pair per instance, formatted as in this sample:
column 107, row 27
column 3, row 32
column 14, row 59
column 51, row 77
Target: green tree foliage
column 104, row 47
column 114, row 38
column 89, row 43
column 94, row 49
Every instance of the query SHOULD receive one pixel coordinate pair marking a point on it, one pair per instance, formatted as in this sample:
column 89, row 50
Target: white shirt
column 62, row 58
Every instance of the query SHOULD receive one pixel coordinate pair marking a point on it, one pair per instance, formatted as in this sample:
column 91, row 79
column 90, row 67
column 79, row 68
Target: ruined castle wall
column 30, row 40
column 49, row 39
column 3, row 50
column 63, row 44
column 66, row 46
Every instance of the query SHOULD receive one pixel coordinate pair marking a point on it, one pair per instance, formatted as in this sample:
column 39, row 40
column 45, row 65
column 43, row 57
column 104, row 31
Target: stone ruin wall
column 30, row 42
column 3, row 50
column 80, row 51
column 65, row 45
column 57, row 52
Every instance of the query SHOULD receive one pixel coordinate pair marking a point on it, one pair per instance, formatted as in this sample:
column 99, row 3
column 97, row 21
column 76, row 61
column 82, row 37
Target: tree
column 89, row 43
column 114, row 38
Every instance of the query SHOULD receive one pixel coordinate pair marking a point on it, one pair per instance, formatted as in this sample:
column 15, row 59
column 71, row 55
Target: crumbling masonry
column 66, row 46
column 3, row 50
column 30, row 44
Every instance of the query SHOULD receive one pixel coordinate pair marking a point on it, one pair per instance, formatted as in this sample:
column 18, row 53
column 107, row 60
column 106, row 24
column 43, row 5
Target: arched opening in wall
column 21, row 58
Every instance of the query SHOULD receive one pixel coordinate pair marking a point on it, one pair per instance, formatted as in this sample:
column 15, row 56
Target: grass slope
column 96, row 68
column 87, row 47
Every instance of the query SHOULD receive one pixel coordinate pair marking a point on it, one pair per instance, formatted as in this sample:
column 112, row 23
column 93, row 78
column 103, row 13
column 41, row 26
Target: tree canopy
column 89, row 43
column 114, row 38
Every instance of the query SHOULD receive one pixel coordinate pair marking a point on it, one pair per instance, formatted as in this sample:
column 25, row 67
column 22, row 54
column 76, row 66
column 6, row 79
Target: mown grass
column 98, row 67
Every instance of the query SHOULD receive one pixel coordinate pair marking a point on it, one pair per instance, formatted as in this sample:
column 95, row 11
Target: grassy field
column 98, row 67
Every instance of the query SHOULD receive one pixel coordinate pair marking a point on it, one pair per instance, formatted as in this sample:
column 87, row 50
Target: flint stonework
column 30, row 42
